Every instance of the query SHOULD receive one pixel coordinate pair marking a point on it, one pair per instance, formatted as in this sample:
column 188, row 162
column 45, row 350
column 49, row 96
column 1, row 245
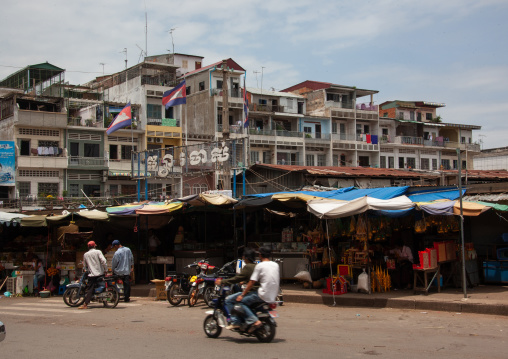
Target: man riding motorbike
column 249, row 256
column 95, row 264
column 268, row 275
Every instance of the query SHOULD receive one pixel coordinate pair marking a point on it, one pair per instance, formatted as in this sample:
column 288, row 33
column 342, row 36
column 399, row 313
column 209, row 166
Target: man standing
column 268, row 276
column 95, row 264
column 123, row 265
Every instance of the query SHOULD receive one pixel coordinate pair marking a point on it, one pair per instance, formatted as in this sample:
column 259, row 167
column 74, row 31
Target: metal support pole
column 234, row 183
column 463, row 251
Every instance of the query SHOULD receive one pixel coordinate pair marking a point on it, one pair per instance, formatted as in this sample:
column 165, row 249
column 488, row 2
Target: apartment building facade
column 413, row 136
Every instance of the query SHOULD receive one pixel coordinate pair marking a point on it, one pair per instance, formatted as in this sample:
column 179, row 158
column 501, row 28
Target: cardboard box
column 160, row 289
column 424, row 259
column 451, row 253
column 441, row 251
column 432, row 257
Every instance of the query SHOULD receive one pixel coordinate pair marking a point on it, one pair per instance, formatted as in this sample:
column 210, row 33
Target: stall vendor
column 403, row 273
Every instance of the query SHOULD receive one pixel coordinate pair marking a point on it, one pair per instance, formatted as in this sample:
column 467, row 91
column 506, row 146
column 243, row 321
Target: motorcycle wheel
column 72, row 298
column 174, row 290
column 266, row 333
column 113, row 298
column 193, row 296
column 208, row 296
column 211, row 327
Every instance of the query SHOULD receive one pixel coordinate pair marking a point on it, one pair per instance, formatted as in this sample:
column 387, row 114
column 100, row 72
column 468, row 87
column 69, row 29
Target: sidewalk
column 483, row 299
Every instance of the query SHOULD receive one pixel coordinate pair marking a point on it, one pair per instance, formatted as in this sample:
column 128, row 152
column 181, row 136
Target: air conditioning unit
column 149, row 139
column 158, row 140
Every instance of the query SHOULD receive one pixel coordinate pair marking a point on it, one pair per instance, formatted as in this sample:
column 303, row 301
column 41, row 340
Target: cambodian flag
column 175, row 96
column 123, row 119
column 245, row 109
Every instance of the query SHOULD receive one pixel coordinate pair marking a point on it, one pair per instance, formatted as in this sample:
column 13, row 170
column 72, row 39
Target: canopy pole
column 463, row 251
column 330, row 261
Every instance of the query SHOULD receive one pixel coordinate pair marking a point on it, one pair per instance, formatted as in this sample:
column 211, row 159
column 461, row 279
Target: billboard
column 203, row 157
column 7, row 163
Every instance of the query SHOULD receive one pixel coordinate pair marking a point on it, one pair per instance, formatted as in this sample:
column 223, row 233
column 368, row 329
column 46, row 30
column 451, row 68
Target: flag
column 175, row 96
column 123, row 119
column 245, row 109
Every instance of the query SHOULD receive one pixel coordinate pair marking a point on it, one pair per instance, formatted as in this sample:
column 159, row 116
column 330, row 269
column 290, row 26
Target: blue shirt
column 122, row 261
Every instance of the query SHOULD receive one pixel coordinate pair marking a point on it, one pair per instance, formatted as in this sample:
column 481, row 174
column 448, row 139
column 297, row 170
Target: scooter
column 203, row 283
column 219, row 318
column 178, row 285
column 105, row 291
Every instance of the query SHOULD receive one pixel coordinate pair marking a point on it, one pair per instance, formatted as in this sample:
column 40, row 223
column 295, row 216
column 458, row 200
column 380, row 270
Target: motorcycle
column 105, row 292
column 219, row 318
column 178, row 285
column 204, row 283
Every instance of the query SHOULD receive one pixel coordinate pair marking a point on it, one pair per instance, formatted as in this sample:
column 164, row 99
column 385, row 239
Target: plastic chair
column 61, row 289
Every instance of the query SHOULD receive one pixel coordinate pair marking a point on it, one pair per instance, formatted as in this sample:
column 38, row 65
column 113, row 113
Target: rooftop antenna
column 256, row 73
column 481, row 141
column 124, row 52
column 262, row 68
column 172, row 42
column 142, row 53
column 102, row 63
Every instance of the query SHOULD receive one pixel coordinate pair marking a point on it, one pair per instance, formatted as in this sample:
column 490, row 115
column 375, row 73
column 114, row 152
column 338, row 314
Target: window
column 169, row 112
column 428, row 116
column 129, row 189
column 342, row 128
column 401, row 162
column 411, row 162
column 309, row 160
column 254, row 157
column 385, row 114
column 335, row 159
column 334, row 127
column 202, row 86
column 469, row 140
column 154, row 190
column 126, row 151
column 46, row 189
column 24, row 189
column 187, row 90
column 307, row 129
column 382, row 162
column 91, row 150
column 419, row 117
column 24, row 148
column 74, row 190
column 434, row 164
column 266, row 157
column 74, row 148
column 462, row 140
column 197, row 65
column 364, row 161
column 384, row 131
column 92, row 190
column 400, row 115
column 425, row 164
column 391, row 162
column 321, row 160
column 455, row 164
column 412, row 115
column 196, row 188
column 113, row 152
column 113, row 190
column 185, row 64
column 464, row 165
column 445, row 164
column 342, row 160
column 154, row 111
column 219, row 84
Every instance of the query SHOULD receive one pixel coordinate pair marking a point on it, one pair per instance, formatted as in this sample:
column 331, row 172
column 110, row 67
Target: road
column 46, row 328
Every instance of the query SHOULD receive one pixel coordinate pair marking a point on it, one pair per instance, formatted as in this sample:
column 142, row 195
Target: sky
column 452, row 52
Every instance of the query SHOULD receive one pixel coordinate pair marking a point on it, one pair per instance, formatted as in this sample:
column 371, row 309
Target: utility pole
column 225, row 121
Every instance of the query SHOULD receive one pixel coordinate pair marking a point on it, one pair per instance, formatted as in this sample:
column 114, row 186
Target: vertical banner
column 7, row 163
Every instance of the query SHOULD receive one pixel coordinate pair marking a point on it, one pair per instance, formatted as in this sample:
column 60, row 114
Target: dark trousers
column 92, row 283
column 126, row 286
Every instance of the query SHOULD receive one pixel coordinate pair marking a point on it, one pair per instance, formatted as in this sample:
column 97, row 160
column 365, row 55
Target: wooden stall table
column 421, row 277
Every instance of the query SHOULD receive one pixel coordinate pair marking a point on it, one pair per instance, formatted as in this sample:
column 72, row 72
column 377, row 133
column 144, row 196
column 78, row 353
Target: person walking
column 123, row 266
column 95, row 264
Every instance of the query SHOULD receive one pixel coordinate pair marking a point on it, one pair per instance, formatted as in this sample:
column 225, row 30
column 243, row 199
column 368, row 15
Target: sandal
column 255, row 327
column 83, row 307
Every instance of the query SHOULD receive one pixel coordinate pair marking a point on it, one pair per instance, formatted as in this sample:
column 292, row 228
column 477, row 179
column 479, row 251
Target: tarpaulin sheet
column 323, row 194
column 449, row 208
column 11, row 218
column 496, row 206
column 328, row 209
column 124, row 210
column 159, row 208
column 379, row 193
column 434, row 195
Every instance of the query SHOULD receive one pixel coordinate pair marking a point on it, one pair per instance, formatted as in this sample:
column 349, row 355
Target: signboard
column 7, row 163
column 203, row 157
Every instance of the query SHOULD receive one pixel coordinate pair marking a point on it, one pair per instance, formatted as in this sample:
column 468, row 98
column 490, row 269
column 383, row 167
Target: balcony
column 42, row 162
column 346, row 105
column 367, row 107
column 255, row 107
column 408, row 140
column 88, row 162
column 120, row 165
column 78, row 121
column 234, row 93
column 168, row 122
column 41, row 119
column 360, row 142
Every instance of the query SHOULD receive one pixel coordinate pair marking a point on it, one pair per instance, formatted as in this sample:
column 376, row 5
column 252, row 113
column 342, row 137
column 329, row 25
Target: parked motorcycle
column 178, row 285
column 105, row 292
column 219, row 318
column 203, row 283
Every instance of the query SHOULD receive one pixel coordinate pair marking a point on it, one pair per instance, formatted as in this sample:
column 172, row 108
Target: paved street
column 47, row 328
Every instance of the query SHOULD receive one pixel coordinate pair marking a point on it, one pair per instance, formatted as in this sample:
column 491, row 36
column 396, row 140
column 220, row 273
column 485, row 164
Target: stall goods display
column 380, row 281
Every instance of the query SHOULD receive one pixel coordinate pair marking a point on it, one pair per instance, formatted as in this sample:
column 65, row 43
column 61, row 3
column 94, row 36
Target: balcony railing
column 163, row 122
column 236, row 93
column 88, row 161
column 78, row 121
column 347, row 104
column 366, row 107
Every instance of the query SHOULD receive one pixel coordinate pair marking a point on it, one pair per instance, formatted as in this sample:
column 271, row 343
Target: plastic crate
column 11, row 285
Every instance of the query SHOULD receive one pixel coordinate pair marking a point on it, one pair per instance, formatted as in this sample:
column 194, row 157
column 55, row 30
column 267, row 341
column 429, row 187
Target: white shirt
column 268, row 276
column 95, row 262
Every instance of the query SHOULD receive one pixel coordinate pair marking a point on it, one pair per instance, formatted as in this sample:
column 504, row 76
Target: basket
column 45, row 293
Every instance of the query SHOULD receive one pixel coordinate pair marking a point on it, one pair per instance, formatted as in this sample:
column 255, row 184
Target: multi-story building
column 492, row 159
column 349, row 127
column 412, row 135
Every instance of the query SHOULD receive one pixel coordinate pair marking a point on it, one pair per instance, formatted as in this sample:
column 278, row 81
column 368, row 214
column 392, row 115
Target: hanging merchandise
column 361, row 229
column 352, row 226
column 420, row 226
column 326, row 258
